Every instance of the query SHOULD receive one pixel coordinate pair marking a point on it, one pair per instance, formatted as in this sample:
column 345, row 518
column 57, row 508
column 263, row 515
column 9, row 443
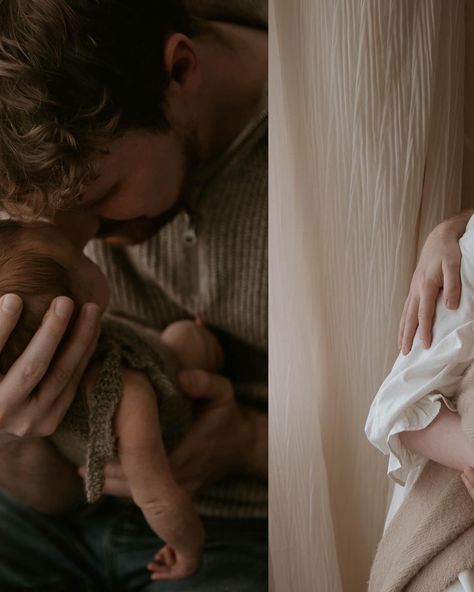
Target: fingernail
column 11, row 303
column 92, row 312
column 63, row 307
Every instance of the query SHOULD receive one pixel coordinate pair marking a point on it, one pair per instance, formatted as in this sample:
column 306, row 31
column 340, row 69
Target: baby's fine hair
column 35, row 277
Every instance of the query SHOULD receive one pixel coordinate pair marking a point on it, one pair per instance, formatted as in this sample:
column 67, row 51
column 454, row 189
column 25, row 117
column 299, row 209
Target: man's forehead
column 105, row 173
column 112, row 164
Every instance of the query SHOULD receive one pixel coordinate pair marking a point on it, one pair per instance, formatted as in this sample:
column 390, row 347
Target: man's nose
column 78, row 225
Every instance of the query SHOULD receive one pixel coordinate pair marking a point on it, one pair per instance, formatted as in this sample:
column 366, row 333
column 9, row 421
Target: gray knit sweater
column 221, row 276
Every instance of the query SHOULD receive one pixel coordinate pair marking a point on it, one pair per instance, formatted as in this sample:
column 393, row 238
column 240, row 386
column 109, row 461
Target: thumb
column 199, row 384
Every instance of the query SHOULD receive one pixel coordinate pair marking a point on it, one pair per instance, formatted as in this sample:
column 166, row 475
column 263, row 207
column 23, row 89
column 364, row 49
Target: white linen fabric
column 412, row 394
column 365, row 159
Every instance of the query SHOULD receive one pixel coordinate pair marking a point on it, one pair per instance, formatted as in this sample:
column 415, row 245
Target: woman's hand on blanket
column 437, row 269
column 225, row 437
column 37, row 390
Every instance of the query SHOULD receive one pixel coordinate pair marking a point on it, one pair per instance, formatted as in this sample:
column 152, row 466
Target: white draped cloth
column 366, row 144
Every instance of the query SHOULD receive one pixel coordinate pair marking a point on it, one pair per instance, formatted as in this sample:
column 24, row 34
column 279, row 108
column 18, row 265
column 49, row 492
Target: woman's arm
column 437, row 269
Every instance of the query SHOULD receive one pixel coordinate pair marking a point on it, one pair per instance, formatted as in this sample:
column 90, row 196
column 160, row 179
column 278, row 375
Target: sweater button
column 190, row 237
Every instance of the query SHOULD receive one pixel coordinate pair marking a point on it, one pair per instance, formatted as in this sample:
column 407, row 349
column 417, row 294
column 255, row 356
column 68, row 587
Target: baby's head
column 38, row 263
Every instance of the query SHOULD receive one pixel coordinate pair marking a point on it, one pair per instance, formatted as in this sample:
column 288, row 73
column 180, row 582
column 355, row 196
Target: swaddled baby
column 38, row 263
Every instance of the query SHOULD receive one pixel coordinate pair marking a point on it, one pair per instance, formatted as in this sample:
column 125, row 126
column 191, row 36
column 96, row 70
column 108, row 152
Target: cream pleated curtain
column 366, row 140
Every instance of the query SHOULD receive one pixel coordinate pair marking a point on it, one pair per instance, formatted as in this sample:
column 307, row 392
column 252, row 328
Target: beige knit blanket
column 430, row 540
column 86, row 434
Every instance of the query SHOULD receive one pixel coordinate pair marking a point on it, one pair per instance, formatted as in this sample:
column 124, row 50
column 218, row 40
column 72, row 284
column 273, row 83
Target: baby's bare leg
column 165, row 505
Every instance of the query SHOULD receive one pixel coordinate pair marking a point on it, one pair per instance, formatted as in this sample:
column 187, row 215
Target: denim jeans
column 106, row 548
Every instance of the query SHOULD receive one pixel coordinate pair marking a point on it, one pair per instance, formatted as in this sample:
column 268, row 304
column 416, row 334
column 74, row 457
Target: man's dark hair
column 75, row 74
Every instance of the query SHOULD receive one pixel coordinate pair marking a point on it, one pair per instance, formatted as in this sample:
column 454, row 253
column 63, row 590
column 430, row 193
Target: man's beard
column 138, row 230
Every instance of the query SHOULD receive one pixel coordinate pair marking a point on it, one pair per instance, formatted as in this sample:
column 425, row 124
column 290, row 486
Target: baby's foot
column 168, row 564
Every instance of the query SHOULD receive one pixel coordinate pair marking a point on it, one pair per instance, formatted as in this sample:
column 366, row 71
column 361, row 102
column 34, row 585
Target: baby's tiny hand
column 168, row 564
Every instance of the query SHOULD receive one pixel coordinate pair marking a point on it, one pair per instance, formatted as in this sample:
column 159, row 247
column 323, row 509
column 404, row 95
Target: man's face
column 139, row 187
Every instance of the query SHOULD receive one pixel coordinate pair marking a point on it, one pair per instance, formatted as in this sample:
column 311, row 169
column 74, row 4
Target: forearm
column 255, row 462
column 442, row 441
column 456, row 224
column 34, row 472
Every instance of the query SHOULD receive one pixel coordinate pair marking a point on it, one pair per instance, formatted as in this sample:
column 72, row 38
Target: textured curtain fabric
column 366, row 147
column 468, row 168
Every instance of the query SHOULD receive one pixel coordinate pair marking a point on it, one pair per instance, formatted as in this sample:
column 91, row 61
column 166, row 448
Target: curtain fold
column 366, row 139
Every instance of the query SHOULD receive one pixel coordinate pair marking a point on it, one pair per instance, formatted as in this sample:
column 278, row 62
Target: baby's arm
column 166, row 506
column 443, row 441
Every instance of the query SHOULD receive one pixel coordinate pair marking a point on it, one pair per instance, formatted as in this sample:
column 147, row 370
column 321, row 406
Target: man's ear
column 182, row 65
